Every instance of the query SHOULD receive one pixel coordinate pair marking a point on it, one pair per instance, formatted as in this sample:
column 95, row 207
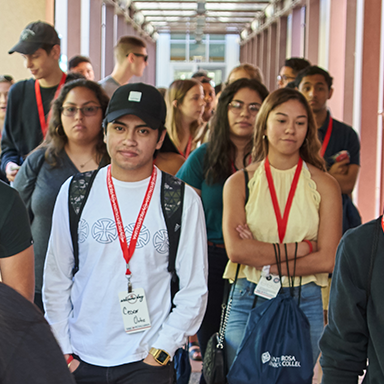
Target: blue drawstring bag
column 182, row 366
column 276, row 347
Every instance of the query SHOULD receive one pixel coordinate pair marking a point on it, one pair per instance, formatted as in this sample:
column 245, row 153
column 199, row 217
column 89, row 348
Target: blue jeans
column 243, row 297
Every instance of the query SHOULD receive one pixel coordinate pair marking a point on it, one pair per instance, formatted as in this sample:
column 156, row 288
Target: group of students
column 256, row 164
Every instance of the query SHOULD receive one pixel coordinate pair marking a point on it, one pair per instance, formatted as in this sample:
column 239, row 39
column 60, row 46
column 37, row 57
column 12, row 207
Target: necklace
column 84, row 164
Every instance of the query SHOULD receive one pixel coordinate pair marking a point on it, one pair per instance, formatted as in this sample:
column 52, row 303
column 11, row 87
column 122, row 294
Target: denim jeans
column 243, row 298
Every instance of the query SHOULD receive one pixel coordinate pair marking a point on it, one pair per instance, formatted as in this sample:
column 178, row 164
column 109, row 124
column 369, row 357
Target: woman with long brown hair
column 74, row 144
column 185, row 106
column 286, row 167
column 207, row 169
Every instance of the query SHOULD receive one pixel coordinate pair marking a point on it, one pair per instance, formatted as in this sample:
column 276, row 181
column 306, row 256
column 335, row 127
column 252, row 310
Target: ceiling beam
column 194, row 10
column 250, row 2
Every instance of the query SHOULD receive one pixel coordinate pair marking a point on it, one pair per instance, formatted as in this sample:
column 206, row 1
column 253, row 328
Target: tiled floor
column 196, row 372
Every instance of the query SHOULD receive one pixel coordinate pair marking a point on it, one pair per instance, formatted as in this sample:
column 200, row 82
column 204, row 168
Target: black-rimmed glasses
column 71, row 111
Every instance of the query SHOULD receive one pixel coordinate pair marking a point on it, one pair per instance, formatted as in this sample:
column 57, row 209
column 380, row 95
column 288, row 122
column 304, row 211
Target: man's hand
column 340, row 167
column 11, row 170
column 150, row 360
column 73, row 365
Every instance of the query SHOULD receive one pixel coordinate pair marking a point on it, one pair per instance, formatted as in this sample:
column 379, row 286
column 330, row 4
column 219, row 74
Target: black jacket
column 355, row 331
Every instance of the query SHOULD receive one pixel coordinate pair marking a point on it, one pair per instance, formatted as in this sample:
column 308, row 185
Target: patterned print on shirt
column 104, row 231
column 144, row 235
column 161, row 241
column 83, row 231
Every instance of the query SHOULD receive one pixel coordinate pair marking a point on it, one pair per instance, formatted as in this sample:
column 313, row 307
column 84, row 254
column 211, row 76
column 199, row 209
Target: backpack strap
column 172, row 199
column 375, row 242
column 79, row 189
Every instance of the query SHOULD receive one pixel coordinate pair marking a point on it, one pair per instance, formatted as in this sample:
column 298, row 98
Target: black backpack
column 172, row 197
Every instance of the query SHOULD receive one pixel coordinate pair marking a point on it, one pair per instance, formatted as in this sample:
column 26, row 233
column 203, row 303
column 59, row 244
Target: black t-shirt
column 343, row 137
column 22, row 130
column 29, row 352
column 15, row 233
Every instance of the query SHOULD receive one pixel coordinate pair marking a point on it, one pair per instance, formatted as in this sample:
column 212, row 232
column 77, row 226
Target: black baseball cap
column 139, row 99
column 34, row 36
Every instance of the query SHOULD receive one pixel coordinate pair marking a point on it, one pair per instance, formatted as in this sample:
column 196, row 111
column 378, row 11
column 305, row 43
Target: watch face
column 162, row 356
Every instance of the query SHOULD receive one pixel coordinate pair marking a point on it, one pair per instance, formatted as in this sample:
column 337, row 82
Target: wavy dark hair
column 220, row 150
column 309, row 150
column 56, row 138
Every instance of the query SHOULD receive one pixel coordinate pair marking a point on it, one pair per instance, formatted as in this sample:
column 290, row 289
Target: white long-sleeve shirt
column 85, row 313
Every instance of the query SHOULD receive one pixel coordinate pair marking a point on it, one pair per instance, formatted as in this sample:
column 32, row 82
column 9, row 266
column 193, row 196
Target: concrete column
column 369, row 107
column 271, row 70
column 312, row 30
column 260, row 48
column 109, row 39
column 281, row 46
column 95, row 23
column 341, row 54
column 296, row 50
column 73, row 28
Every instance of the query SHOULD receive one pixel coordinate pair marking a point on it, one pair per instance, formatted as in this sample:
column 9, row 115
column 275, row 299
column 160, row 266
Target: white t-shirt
column 84, row 313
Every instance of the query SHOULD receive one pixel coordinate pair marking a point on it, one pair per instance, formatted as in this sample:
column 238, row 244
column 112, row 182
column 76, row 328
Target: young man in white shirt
column 114, row 320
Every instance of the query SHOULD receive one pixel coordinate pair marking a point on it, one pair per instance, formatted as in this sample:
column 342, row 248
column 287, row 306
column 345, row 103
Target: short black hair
column 76, row 60
column 47, row 48
column 297, row 64
column 314, row 70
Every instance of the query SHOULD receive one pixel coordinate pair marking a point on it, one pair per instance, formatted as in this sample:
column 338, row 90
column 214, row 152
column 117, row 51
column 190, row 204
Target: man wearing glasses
column 131, row 58
column 290, row 69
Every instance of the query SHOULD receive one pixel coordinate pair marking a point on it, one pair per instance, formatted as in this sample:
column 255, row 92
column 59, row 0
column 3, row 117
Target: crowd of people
column 126, row 261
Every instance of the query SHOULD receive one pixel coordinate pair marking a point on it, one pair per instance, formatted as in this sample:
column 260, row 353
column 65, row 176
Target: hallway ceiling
column 200, row 17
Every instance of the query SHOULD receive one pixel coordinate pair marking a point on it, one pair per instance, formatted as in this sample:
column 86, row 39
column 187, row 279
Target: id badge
column 268, row 287
column 134, row 310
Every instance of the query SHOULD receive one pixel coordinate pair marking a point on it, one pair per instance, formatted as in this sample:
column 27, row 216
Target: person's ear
column 161, row 139
column 55, row 52
column 130, row 57
column 330, row 93
column 174, row 103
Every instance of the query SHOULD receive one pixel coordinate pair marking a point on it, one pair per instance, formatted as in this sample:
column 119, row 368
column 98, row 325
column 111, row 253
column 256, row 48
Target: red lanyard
column 327, row 137
column 129, row 250
column 382, row 223
column 282, row 221
column 188, row 150
column 43, row 122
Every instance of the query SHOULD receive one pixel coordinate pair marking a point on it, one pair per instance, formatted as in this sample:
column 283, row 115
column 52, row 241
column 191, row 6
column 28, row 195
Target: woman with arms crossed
column 207, row 169
column 286, row 144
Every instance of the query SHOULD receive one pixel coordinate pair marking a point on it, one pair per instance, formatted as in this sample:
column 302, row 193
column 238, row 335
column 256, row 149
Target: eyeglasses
column 237, row 106
column 145, row 57
column 71, row 111
column 285, row 78
column 6, row 78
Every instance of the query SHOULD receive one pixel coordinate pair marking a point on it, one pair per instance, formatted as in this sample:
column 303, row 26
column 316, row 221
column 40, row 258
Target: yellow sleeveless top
column 303, row 220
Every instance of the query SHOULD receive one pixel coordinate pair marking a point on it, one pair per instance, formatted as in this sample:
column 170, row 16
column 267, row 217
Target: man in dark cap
column 112, row 331
column 29, row 101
